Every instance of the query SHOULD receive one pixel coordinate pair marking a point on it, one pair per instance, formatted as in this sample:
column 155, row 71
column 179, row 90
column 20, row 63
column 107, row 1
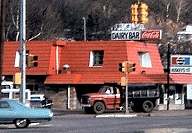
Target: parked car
column 13, row 112
column 40, row 101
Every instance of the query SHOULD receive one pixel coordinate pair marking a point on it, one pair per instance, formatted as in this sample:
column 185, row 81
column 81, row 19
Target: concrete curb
column 116, row 115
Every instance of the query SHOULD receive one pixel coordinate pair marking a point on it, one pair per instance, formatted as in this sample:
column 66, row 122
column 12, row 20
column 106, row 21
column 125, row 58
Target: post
column 2, row 30
column 68, row 97
column 22, row 50
column 126, row 93
column 84, row 27
column 168, row 72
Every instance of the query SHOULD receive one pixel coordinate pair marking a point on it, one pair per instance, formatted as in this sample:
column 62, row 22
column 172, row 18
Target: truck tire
column 147, row 106
column 88, row 110
column 98, row 107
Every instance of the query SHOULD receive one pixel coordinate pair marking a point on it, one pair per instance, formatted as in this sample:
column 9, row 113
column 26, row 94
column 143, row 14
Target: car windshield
column 21, row 104
column 35, row 98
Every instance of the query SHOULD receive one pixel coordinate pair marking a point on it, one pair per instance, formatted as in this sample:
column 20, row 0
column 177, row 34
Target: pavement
column 118, row 113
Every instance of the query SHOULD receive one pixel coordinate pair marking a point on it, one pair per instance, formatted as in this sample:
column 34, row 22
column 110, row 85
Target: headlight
column 51, row 115
column 85, row 100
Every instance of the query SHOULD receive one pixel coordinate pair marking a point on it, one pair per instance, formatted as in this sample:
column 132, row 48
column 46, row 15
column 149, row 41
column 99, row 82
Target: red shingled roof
column 105, row 78
column 45, row 50
column 77, row 56
column 181, row 78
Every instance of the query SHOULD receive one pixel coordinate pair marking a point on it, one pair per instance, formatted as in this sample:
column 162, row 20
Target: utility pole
column 168, row 72
column 126, row 93
column 84, row 27
column 22, row 49
column 2, row 30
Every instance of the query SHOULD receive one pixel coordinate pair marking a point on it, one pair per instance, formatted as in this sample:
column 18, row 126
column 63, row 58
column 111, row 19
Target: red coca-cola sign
column 151, row 34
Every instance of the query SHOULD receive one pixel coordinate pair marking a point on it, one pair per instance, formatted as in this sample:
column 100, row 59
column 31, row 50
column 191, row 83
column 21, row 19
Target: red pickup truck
column 140, row 98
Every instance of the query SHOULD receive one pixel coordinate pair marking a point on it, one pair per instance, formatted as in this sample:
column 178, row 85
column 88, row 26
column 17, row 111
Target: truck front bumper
column 86, row 105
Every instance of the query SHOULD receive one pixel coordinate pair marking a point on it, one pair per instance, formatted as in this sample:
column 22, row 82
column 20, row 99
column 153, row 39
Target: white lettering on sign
column 151, row 34
column 180, row 70
column 125, row 35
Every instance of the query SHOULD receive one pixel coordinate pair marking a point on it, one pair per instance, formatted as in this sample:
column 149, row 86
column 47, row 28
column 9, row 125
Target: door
column 7, row 113
column 112, row 97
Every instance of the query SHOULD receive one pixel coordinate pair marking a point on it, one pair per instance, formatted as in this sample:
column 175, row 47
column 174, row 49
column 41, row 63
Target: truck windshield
column 6, row 87
column 107, row 89
column 104, row 89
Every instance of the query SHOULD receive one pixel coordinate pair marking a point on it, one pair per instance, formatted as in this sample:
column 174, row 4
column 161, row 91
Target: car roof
column 6, row 99
column 34, row 95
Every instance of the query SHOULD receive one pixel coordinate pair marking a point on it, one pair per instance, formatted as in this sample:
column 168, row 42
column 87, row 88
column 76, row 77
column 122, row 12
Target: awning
column 98, row 78
column 181, row 78
column 105, row 78
column 62, row 79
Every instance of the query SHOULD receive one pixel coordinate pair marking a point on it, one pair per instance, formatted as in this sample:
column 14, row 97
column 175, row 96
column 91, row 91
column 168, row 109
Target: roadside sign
column 151, row 34
column 125, row 35
column 183, row 70
column 181, row 60
column 136, row 35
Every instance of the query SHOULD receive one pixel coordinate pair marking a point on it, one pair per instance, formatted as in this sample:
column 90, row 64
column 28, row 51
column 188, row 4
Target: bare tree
column 15, row 20
column 12, row 20
column 49, row 19
column 181, row 6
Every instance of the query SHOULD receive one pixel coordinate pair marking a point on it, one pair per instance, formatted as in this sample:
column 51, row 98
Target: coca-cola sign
column 151, row 34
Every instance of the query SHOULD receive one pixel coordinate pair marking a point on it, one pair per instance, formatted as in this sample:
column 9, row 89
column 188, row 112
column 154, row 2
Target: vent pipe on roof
column 143, row 72
column 66, row 68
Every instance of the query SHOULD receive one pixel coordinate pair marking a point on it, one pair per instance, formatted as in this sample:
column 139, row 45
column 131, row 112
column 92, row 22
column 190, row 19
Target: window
column 17, row 58
column 145, row 60
column 96, row 58
column 4, row 104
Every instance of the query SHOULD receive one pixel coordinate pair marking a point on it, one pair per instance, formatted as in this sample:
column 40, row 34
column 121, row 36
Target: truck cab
column 40, row 101
column 108, row 97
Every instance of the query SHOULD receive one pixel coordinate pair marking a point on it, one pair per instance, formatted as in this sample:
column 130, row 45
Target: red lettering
column 151, row 35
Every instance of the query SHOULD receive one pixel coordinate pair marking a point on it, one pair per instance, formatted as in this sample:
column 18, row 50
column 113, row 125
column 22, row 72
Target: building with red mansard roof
column 91, row 64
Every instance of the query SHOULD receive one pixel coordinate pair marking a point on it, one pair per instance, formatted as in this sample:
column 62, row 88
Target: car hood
column 95, row 94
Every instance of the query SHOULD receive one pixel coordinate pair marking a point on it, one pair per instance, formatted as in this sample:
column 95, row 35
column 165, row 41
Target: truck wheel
column 147, row 106
column 88, row 110
column 98, row 107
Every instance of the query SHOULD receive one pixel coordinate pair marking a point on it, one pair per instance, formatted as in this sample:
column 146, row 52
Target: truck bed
column 143, row 91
